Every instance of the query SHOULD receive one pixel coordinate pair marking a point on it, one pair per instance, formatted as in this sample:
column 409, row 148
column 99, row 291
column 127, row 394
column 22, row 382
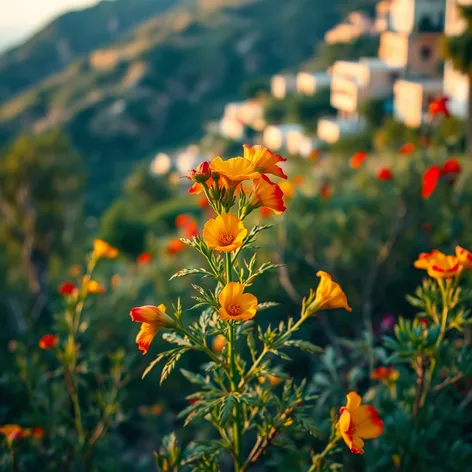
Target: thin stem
column 318, row 465
column 71, row 387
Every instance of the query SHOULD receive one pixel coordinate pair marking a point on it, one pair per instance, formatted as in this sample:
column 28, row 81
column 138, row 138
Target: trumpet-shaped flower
column 264, row 160
column 153, row 318
column 357, row 423
column 438, row 264
column 13, row 432
column 48, row 341
column 101, row 249
column 268, row 195
column 329, row 295
column 234, row 170
column 225, row 233
column 465, row 257
column 236, row 305
column 357, row 160
column 201, row 174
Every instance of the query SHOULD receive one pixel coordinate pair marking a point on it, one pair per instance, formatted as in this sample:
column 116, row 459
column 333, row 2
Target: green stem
column 318, row 465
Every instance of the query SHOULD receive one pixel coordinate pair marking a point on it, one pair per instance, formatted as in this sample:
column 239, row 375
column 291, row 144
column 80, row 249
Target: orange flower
column 144, row 258
column 438, row 264
column 263, row 160
column 268, row 195
column 357, row 423
column 329, row 295
column 153, row 318
column 67, row 288
column 273, row 380
column 234, row 171
column 94, row 287
column 218, row 343
column 430, row 181
column 236, row 305
column 384, row 174
column 314, row 154
column 101, row 249
column 75, row 270
column 157, row 409
column 182, row 220
column 465, row 257
column 48, row 341
column 326, row 191
column 298, row 180
column 439, row 107
column 387, row 374
column 408, row 148
column 175, row 245
column 357, row 160
column 225, row 233
column 13, row 432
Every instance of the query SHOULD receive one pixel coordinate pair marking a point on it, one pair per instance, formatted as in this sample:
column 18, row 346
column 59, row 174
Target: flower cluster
column 442, row 266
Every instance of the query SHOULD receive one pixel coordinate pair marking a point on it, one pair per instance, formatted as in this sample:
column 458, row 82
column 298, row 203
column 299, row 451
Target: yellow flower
column 94, row 287
column 465, row 257
column 268, row 195
column 264, row 160
column 236, row 305
column 329, row 294
column 101, row 249
column 438, row 264
column 219, row 343
column 358, row 422
column 225, row 233
column 153, row 318
column 233, row 171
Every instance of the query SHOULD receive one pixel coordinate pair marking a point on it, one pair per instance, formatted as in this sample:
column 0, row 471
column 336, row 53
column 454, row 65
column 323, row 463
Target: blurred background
column 105, row 107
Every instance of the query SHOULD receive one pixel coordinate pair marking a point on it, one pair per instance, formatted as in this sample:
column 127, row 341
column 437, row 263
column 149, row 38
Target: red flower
column 48, row 341
column 357, row 160
column 408, row 148
column 182, row 220
column 326, row 191
column 37, row 432
column 67, row 288
column 384, row 174
column 439, row 107
column 430, row 181
column 144, row 258
column 175, row 246
column 191, row 229
column 388, row 374
column 451, row 169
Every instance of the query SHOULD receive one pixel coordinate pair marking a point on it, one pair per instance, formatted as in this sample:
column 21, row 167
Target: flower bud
column 201, row 174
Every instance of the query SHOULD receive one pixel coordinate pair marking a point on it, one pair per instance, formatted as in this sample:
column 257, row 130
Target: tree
column 40, row 203
column 459, row 50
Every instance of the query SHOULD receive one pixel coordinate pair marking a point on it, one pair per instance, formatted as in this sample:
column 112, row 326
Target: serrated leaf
column 227, row 408
column 196, row 379
column 176, row 339
column 266, row 305
column 170, row 364
column 251, row 344
column 186, row 272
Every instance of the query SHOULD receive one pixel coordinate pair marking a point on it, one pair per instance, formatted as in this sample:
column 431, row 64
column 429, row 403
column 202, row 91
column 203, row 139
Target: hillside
column 170, row 75
column 70, row 36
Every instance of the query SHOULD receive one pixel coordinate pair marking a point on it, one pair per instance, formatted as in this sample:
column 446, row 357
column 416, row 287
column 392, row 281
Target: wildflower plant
column 241, row 392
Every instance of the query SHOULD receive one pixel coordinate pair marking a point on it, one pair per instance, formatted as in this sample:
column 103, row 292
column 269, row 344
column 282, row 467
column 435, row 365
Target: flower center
column 234, row 309
column 225, row 239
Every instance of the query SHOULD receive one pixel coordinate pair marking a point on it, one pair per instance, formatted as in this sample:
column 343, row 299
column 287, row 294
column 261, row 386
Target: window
column 425, row 53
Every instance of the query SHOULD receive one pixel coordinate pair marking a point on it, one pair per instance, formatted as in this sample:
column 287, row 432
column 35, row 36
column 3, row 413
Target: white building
column 412, row 98
column 283, row 85
column 275, row 136
column 409, row 16
column 331, row 130
column 456, row 85
column 232, row 128
column 311, row 83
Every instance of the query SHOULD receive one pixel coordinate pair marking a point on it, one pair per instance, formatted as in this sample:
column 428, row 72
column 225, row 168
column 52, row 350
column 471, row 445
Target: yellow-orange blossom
column 225, row 233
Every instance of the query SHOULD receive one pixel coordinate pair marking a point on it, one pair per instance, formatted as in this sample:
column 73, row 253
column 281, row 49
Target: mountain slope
column 70, row 36
column 157, row 87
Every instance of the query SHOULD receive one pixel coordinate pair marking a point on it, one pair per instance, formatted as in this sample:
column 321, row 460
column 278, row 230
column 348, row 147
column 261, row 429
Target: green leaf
column 196, row 379
column 227, row 408
column 170, row 365
column 304, row 346
column 176, row 339
column 185, row 272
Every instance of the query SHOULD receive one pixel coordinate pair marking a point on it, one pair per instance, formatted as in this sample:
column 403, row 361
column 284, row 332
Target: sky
column 20, row 18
